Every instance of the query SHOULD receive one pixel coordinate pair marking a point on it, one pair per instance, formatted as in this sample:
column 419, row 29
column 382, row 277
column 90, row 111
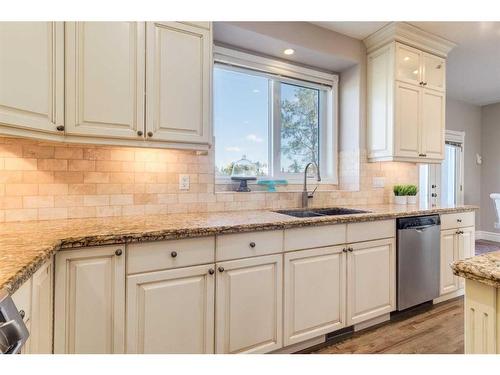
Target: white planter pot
column 412, row 199
column 400, row 199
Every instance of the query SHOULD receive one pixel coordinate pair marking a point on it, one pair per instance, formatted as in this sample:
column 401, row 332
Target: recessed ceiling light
column 289, row 51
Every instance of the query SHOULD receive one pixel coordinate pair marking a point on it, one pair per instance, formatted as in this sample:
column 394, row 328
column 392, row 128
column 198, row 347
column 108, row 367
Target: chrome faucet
column 305, row 194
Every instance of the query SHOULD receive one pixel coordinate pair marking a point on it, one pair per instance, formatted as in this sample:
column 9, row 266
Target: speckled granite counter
column 483, row 268
column 24, row 247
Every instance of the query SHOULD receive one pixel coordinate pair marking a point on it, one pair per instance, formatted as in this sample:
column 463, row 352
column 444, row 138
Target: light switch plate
column 184, row 182
column 378, row 182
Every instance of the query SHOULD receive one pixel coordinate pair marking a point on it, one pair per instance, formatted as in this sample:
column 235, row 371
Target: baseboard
column 300, row 346
column 457, row 293
column 488, row 236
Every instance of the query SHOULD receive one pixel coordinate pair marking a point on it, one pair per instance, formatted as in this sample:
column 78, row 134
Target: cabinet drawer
column 243, row 245
column 22, row 299
column 151, row 256
column 371, row 230
column 457, row 220
column 317, row 236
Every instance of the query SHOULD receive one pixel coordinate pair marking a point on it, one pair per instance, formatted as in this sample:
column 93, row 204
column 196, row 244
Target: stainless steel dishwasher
column 418, row 257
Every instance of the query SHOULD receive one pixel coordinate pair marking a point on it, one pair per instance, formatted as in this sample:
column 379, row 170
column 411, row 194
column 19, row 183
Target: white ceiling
column 473, row 67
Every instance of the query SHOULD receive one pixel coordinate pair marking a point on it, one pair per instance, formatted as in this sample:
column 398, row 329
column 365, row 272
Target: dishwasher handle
column 421, row 228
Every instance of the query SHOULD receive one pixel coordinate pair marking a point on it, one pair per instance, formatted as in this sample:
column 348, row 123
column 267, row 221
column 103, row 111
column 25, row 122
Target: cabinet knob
column 221, row 269
column 118, row 252
column 139, row 133
column 350, row 249
column 211, row 271
column 459, row 220
column 173, row 254
column 150, row 134
column 425, row 83
column 60, row 128
column 421, row 83
column 252, row 244
column 344, row 250
column 22, row 314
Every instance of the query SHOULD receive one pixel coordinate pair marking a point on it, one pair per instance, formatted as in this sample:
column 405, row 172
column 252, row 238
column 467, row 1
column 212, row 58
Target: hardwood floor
column 436, row 330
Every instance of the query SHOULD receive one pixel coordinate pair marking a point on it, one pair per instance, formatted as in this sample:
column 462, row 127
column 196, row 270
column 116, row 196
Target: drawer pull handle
column 118, row 252
column 173, row 254
column 221, row 269
column 252, row 244
column 22, row 314
column 60, row 128
column 344, row 250
column 211, row 271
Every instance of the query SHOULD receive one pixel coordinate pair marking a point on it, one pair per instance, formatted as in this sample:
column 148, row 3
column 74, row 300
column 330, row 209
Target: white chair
column 496, row 202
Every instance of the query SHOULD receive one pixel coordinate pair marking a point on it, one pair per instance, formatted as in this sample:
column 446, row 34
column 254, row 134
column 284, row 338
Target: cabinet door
column 371, row 280
column 105, row 79
column 179, row 68
column 466, row 247
column 41, row 311
column 32, row 75
column 434, row 72
column 171, row 311
column 314, row 293
column 449, row 253
column 249, row 305
column 89, row 301
column 408, row 64
column 433, row 124
column 407, row 124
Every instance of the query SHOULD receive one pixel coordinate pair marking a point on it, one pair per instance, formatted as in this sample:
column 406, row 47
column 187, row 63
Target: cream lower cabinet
column 171, row 311
column 314, row 293
column 248, row 310
column 456, row 244
column 371, row 279
column 90, row 300
column 42, row 310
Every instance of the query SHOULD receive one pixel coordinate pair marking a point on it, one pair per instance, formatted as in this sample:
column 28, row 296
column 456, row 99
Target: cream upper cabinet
column 42, row 310
column 314, row 293
column 248, row 310
column 406, row 104
column 179, row 71
column 89, row 309
column 171, row 311
column 371, row 280
column 105, row 73
column 32, row 76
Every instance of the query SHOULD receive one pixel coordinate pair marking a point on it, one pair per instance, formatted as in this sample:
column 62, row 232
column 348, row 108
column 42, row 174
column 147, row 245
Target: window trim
column 280, row 71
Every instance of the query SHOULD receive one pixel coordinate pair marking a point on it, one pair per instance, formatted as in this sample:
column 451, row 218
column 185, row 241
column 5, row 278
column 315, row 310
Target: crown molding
column 410, row 35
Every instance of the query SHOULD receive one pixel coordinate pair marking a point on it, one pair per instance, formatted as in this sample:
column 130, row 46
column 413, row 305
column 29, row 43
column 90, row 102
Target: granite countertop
column 483, row 268
column 25, row 246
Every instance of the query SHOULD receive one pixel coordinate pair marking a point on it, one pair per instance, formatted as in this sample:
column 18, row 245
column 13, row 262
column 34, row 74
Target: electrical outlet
column 184, row 182
column 378, row 182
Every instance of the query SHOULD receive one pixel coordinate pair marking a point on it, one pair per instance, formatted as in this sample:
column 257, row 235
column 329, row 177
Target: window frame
column 278, row 72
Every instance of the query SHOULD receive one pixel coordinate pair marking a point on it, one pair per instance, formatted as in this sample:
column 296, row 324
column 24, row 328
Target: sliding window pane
column 299, row 127
column 241, row 120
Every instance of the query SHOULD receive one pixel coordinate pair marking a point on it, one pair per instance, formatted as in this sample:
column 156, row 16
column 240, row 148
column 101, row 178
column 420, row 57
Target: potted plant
column 399, row 194
column 411, row 194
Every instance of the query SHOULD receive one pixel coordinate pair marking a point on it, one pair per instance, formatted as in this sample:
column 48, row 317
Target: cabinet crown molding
column 410, row 35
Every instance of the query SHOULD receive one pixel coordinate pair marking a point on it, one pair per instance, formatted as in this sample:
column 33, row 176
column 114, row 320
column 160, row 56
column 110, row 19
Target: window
column 278, row 122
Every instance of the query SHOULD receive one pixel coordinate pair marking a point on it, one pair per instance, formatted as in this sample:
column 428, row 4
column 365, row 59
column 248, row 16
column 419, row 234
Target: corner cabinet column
column 105, row 79
column 179, row 77
column 89, row 301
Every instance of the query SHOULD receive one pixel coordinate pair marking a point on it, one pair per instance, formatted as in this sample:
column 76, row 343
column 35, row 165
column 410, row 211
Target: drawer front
column 317, row 236
column 22, row 299
column 457, row 220
column 243, row 245
column 371, row 230
column 158, row 255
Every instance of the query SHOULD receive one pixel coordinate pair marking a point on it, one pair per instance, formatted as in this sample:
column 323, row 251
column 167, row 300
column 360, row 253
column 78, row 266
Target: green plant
column 399, row 190
column 411, row 190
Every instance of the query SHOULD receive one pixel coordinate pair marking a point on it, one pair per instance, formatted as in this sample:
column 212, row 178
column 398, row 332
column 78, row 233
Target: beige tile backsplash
column 44, row 181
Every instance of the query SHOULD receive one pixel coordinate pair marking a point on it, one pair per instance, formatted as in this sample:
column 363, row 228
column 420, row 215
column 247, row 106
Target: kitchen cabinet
column 314, row 293
column 178, row 89
column 89, row 302
column 171, row 311
column 406, row 104
column 248, row 309
column 32, row 76
column 105, row 79
column 449, row 253
column 42, row 310
column 22, row 300
column 371, row 279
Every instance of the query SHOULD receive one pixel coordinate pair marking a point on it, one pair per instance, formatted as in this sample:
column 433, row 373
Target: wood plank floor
column 435, row 330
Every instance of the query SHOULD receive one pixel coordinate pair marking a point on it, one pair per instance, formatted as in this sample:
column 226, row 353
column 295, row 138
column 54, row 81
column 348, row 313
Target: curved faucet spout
column 305, row 193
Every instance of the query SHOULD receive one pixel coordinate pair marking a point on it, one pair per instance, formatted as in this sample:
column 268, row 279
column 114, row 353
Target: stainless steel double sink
column 321, row 212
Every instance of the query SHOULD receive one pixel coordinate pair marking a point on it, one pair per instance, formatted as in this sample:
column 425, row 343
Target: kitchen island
column 482, row 302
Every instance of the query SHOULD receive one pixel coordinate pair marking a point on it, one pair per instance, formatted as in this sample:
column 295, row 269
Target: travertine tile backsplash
column 44, row 181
